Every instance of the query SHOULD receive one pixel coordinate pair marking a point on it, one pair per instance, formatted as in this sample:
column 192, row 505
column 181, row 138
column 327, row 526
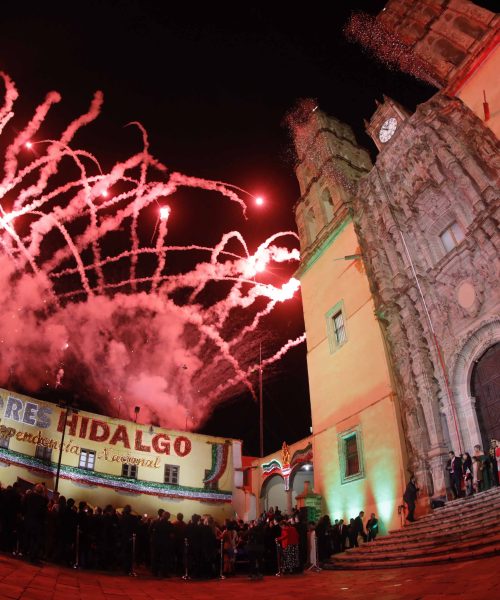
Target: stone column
column 452, row 430
column 437, row 464
column 469, row 424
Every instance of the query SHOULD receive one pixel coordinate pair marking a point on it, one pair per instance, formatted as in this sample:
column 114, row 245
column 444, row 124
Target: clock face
column 387, row 130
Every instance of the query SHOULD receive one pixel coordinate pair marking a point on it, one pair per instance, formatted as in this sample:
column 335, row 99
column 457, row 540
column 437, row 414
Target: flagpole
column 261, row 407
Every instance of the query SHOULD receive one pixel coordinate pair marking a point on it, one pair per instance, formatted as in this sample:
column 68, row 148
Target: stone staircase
column 463, row 529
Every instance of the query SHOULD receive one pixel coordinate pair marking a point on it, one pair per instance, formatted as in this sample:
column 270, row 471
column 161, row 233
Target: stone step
column 474, row 522
column 465, row 529
column 441, row 513
column 450, row 518
column 470, row 499
column 484, row 551
column 374, row 547
column 404, row 553
column 492, row 495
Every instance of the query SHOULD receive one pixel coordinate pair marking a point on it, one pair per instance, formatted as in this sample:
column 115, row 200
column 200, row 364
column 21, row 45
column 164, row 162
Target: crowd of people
column 40, row 525
column 472, row 474
column 339, row 536
column 57, row 529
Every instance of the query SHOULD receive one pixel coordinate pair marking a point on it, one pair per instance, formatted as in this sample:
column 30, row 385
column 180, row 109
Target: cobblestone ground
column 474, row 580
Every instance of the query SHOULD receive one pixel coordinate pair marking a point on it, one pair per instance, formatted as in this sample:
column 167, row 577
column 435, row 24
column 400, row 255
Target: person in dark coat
column 272, row 531
column 410, row 497
column 323, row 536
column 10, row 515
column 301, row 527
column 360, row 528
column 352, row 534
column 195, row 550
column 83, row 525
column 162, row 543
column 454, row 468
column 372, row 527
column 69, row 522
column 343, row 534
column 128, row 527
column 109, row 538
column 210, row 546
column 256, row 541
column 179, row 545
column 35, row 515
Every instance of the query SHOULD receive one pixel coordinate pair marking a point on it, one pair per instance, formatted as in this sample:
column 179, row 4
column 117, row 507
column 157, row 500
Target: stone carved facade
column 438, row 308
column 441, row 168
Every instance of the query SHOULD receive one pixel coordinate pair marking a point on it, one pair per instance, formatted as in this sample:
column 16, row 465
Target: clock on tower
column 385, row 122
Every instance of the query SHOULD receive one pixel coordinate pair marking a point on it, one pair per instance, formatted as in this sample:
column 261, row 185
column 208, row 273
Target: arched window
column 327, row 205
column 310, row 226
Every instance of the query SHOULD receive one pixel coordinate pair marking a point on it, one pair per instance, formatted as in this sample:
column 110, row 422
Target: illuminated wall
column 350, row 387
column 352, row 397
column 206, row 465
column 484, row 78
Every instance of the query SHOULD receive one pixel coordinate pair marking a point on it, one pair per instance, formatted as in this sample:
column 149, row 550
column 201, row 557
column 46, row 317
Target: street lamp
column 67, row 411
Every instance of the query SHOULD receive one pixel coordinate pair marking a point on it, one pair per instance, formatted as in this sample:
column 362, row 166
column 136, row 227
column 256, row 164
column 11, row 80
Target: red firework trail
column 75, row 313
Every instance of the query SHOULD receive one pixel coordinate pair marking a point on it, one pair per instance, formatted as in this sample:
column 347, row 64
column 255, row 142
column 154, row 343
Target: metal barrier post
column 77, row 548
column 221, row 574
column 186, row 562
column 314, row 565
column 278, row 556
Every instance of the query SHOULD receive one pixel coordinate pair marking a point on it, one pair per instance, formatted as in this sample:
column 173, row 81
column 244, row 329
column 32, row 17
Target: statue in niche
column 285, row 454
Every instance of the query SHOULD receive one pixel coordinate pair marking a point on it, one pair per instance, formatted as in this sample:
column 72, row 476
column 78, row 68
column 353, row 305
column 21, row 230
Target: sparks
column 146, row 326
column 164, row 213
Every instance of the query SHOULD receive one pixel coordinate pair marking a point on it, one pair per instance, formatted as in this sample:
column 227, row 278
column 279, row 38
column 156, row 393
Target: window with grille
column 43, row 453
column 129, row 471
column 339, row 328
column 336, row 326
column 171, row 474
column 87, row 459
column 351, row 455
column 452, row 236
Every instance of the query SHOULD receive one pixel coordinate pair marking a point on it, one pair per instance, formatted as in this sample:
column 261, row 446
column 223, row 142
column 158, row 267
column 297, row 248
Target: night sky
column 211, row 86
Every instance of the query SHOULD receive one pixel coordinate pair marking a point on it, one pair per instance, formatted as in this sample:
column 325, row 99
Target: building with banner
column 111, row 461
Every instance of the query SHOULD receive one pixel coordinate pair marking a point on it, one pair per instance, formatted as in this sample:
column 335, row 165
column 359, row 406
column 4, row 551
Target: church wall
column 342, row 380
column 380, row 490
column 486, row 78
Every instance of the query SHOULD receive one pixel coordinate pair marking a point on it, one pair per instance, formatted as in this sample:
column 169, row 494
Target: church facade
column 400, row 271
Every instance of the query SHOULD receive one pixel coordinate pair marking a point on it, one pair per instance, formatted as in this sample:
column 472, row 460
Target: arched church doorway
column 298, row 478
column 273, row 493
column 485, row 388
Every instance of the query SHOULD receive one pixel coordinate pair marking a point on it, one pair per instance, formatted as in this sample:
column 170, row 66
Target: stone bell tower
column 359, row 457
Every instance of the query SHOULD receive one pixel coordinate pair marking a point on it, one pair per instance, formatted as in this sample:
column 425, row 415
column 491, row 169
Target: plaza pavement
column 473, row 580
